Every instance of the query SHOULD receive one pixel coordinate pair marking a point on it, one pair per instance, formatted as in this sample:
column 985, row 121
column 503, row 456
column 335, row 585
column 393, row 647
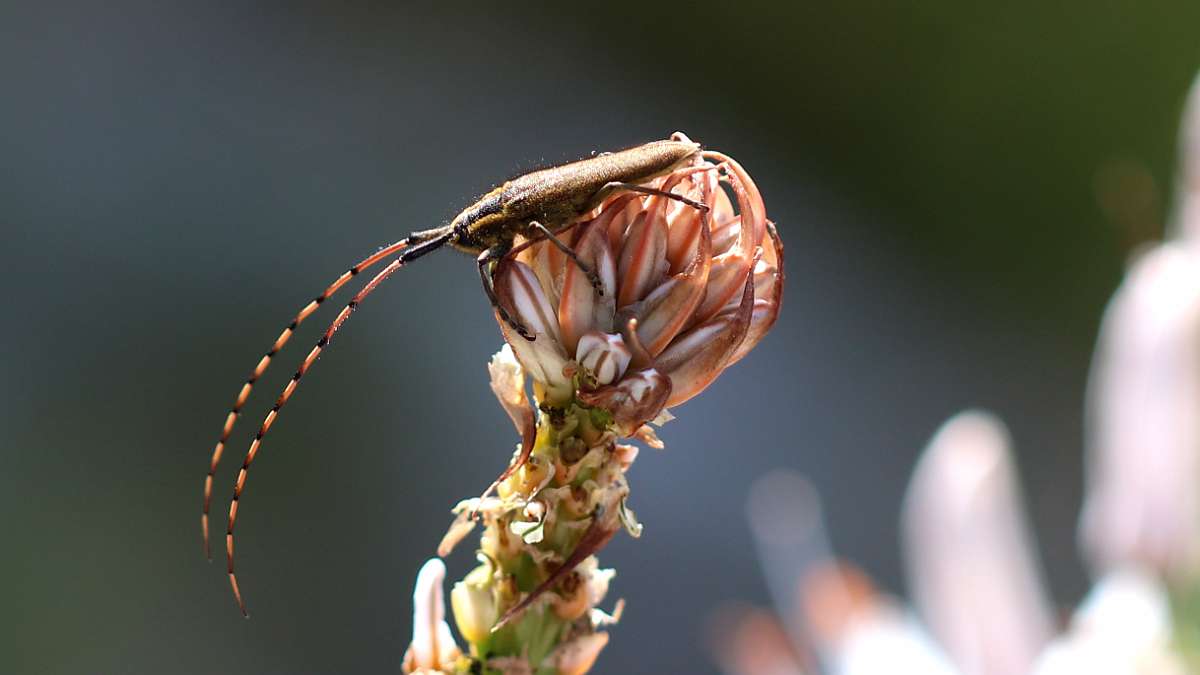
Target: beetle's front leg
column 487, row 274
column 587, row 270
column 615, row 186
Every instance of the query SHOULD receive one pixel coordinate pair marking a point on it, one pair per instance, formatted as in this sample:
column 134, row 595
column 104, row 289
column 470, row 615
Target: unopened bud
column 432, row 645
column 474, row 605
column 604, row 355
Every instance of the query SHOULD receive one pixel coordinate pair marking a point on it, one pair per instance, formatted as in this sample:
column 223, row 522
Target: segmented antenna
column 265, row 361
column 406, row 256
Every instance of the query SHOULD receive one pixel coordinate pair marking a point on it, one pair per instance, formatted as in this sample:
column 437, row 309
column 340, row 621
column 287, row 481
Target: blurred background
column 958, row 185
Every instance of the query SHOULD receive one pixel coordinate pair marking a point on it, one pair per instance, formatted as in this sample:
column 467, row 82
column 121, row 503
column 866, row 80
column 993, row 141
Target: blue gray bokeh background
column 175, row 179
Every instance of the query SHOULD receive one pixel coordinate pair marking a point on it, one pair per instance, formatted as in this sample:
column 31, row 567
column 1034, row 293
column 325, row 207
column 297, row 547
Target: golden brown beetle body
column 557, row 195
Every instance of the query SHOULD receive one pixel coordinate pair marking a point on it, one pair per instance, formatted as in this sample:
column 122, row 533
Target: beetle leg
column 487, row 270
column 633, row 187
column 570, row 253
column 538, row 239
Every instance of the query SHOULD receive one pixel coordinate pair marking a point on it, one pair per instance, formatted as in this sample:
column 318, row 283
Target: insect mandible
column 537, row 206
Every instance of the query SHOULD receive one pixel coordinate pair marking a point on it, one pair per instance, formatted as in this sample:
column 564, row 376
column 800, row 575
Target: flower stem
column 529, row 607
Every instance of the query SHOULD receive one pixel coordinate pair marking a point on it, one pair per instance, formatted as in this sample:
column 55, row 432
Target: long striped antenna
column 244, row 394
column 406, row 256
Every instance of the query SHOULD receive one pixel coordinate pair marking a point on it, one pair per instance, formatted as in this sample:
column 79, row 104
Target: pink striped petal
column 581, row 309
column 750, row 204
column 697, row 357
column 725, row 282
column 722, row 209
column 669, row 308
column 768, row 293
column 618, row 216
column 725, row 235
column 643, row 260
column 683, row 236
column 685, row 221
column 543, row 358
column 730, row 269
column 549, row 264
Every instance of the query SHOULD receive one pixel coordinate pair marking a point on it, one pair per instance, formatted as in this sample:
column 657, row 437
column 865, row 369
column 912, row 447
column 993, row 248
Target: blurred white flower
column 1123, row 627
column 788, row 524
column 859, row 631
column 827, row 609
column 972, row 569
column 1143, row 501
column 973, row 575
column 971, row 560
column 886, row 639
column 1143, row 506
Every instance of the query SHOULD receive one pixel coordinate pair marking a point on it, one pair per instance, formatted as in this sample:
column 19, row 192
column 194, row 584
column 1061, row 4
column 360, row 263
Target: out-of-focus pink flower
column 1143, row 504
column 1143, row 499
column 838, row 622
column 684, row 293
column 751, row 641
column 972, row 566
column 861, row 631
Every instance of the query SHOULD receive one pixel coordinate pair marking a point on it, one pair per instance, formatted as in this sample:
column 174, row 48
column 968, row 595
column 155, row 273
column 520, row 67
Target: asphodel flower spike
column 685, row 293
column 637, row 307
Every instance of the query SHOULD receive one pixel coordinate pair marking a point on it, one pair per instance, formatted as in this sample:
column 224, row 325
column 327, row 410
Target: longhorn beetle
column 536, row 206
